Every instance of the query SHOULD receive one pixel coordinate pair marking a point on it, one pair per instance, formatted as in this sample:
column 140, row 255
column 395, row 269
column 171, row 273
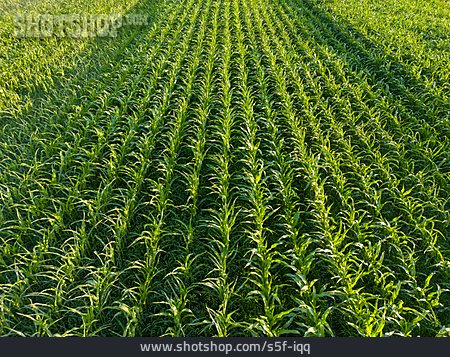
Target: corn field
column 234, row 168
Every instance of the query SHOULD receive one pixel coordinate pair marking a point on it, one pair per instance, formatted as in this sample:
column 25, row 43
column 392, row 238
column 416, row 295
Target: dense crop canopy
column 235, row 168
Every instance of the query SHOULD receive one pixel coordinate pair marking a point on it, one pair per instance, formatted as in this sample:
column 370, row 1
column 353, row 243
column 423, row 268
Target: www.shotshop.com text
column 211, row 346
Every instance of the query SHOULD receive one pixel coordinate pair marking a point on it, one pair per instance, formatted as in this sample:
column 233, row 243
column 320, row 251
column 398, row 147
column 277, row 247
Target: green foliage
column 236, row 168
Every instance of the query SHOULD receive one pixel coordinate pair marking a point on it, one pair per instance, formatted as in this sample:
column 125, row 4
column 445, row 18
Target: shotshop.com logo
column 74, row 25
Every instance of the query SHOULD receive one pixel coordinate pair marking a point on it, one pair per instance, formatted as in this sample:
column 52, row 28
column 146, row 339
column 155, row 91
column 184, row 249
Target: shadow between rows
column 92, row 64
column 102, row 56
column 379, row 67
